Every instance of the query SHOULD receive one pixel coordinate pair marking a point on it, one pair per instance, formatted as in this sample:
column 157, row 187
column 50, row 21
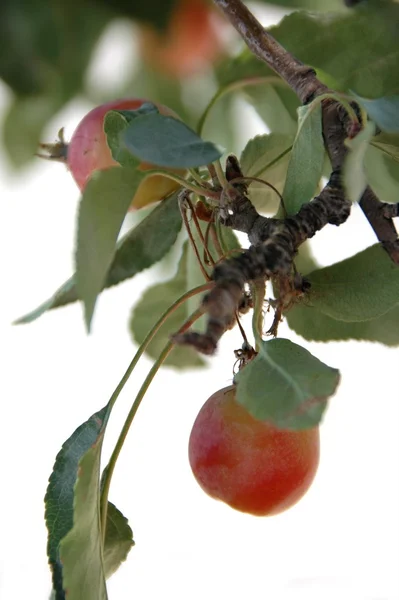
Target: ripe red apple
column 88, row 151
column 191, row 41
column 249, row 464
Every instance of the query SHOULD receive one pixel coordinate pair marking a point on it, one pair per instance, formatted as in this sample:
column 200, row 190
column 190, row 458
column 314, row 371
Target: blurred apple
column 192, row 40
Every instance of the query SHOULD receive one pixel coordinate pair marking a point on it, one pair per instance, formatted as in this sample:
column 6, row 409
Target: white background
column 341, row 541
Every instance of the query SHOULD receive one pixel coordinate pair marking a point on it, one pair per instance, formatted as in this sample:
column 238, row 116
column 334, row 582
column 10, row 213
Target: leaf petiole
column 109, row 469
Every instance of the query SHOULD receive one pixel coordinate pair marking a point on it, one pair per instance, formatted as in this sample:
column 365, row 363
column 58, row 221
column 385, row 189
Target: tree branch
column 304, row 83
column 274, row 242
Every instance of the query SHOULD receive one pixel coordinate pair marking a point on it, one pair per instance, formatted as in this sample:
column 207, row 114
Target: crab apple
column 192, row 40
column 88, row 151
column 251, row 465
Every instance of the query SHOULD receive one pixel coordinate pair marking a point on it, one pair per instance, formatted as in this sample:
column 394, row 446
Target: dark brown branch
column 274, row 246
column 301, row 78
column 274, row 242
column 381, row 222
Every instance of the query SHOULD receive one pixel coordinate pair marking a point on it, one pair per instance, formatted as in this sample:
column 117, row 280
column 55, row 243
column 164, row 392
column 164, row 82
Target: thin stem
column 241, row 328
column 109, row 469
column 151, row 334
column 204, row 239
column 214, row 177
column 215, row 239
column 258, row 289
column 200, row 190
column 243, row 179
column 230, row 88
column 274, row 161
column 191, row 237
column 220, row 174
column 197, row 177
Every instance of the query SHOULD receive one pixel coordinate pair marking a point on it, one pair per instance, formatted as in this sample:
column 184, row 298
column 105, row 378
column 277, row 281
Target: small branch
column 301, row 78
column 381, row 221
column 274, row 245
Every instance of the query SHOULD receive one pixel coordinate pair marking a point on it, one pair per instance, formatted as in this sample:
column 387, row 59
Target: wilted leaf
column 104, row 204
column 359, row 288
column 139, row 249
column 307, row 159
column 286, row 385
column 353, row 175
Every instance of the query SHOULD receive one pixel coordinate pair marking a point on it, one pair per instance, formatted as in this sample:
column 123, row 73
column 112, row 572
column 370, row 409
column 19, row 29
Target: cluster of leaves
column 354, row 299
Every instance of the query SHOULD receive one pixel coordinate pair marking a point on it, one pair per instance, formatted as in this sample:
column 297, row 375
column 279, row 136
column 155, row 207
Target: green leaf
column 72, row 512
column 276, row 104
column 104, row 204
column 317, row 5
column 353, row 175
column 313, row 325
column 115, row 124
column 80, row 551
column 59, row 499
column 359, row 288
column 357, row 48
column 168, row 142
column 65, row 294
column 139, row 249
column 267, row 157
column 307, row 159
column 118, row 540
column 154, row 12
column 388, row 144
column 382, row 174
column 383, row 111
column 286, row 385
column 24, row 123
column 48, row 49
column 154, row 302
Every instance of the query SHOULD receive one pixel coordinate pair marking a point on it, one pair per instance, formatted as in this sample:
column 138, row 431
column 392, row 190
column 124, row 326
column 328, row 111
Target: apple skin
column 193, row 40
column 88, row 151
column 250, row 465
